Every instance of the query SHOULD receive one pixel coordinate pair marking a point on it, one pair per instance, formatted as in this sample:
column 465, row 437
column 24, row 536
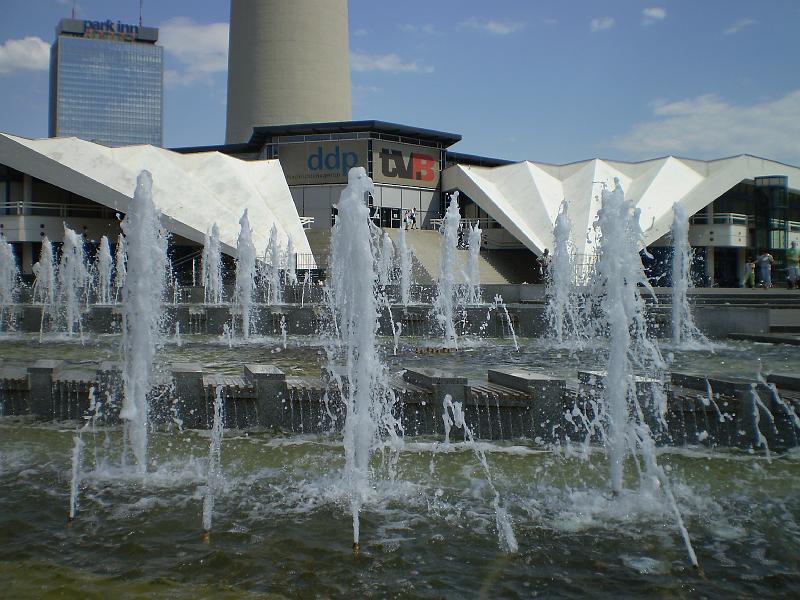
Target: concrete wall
column 288, row 62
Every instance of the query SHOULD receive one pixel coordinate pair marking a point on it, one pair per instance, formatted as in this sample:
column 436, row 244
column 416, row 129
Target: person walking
column 765, row 262
column 749, row 273
column 793, row 265
column 413, row 217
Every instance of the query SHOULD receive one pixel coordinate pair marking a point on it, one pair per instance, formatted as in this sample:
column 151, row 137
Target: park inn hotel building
column 287, row 155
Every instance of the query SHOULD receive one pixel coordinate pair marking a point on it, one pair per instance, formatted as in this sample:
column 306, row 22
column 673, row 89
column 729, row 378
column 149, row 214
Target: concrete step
column 495, row 267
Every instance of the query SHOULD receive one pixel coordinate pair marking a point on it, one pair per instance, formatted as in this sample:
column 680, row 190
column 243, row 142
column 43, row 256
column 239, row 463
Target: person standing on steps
column 765, row 262
column 793, row 265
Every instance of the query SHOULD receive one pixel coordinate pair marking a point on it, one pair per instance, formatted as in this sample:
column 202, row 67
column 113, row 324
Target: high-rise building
column 288, row 62
column 107, row 83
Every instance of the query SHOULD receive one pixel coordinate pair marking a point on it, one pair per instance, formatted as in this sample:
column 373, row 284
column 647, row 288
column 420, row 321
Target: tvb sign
column 322, row 162
column 405, row 164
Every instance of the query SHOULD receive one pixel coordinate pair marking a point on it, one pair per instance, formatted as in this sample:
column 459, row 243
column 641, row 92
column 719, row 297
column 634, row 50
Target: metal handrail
column 483, row 223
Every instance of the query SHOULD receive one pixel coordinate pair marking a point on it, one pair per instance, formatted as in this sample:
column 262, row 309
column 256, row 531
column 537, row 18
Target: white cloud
column 710, row 127
column 490, row 26
column 653, row 15
column 28, row 54
column 200, row 49
column 427, row 28
column 385, row 62
column 602, row 23
column 739, row 25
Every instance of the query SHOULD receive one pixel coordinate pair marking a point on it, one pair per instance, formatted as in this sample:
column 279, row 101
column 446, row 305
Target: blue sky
column 552, row 81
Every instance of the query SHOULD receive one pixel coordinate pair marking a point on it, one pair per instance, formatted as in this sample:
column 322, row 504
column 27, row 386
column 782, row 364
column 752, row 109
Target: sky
column 551, row 81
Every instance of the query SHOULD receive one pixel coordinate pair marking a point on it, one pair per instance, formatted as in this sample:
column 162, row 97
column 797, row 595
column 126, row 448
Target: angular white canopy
column 525, row 197
column 192, row 191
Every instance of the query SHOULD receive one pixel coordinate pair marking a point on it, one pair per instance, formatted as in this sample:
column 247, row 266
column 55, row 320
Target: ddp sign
column 404, row 164
column 322, row 162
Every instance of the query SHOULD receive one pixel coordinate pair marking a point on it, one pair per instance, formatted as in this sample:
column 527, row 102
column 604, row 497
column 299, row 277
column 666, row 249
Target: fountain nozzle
column 356, row 549
column 206, row 537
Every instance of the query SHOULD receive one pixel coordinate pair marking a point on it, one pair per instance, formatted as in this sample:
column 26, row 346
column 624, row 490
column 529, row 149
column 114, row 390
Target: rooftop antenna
column 141, row 10
column 74, row 4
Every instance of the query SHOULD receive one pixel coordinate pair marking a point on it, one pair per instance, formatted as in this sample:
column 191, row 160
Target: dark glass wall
column 110, row 92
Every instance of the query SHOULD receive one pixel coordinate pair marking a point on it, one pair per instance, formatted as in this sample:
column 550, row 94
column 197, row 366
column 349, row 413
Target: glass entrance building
column 107, row 83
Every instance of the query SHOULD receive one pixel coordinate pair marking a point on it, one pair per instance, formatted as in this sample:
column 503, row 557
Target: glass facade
column 107, row 91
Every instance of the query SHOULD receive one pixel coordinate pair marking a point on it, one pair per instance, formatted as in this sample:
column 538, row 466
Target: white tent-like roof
column 525, row 197
column 192, row 191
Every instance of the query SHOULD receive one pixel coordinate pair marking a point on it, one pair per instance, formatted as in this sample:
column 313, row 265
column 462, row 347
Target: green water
column 282, row 526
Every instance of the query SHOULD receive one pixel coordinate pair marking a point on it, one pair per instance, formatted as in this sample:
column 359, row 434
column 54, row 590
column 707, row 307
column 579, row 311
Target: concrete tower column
column 288, row 62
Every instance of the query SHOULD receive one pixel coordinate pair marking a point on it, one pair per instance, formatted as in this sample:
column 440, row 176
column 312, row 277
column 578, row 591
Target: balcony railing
column 720, row 219
column 46, row 209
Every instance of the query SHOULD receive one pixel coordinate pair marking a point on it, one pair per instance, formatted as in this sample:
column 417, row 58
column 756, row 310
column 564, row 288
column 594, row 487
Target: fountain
column 103, row 267
column 212, row 267
column 404, row 253
column 121, row 267
column 622, row 416
column 291, row 263
column 444, row 304
column 368, row 402
column 73, row 280
column 684, row 330
column 385, row 260
column 245, row 274
column 142, row 300
column 564, row 318
column 472, row 278
column 213, row 470
column 272, row 262
column 9, row 279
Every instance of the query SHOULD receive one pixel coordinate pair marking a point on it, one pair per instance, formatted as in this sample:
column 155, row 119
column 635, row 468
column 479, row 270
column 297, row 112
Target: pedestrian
column 413, row 217
column 793, row 265
column 749, row 273
column 406, row 219
column 765, row 262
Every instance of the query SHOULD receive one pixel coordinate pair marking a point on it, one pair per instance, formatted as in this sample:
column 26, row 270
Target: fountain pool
column 282, row 520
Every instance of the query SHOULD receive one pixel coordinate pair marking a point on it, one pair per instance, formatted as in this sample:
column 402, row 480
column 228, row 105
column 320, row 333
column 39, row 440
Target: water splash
column 684, row 330
column 103, row 268
column 353, row 304
column 245, row 274
column 142, row 312
column 444, row 304
column 505, row 530
column 212, row 267
column 121, row 267
column 404, row 253
column 291, row 263
column 563, row 314
column 622, row 412
column 385, row 260
column 73, row 279
column 214, row 471
column 472, row 278
column 9, row 279
column 273, row 262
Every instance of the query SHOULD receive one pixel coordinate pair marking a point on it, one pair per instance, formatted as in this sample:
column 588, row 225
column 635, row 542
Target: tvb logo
column 418, row 166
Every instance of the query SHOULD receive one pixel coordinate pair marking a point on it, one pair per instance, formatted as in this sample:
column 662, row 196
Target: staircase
column 494, row 267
